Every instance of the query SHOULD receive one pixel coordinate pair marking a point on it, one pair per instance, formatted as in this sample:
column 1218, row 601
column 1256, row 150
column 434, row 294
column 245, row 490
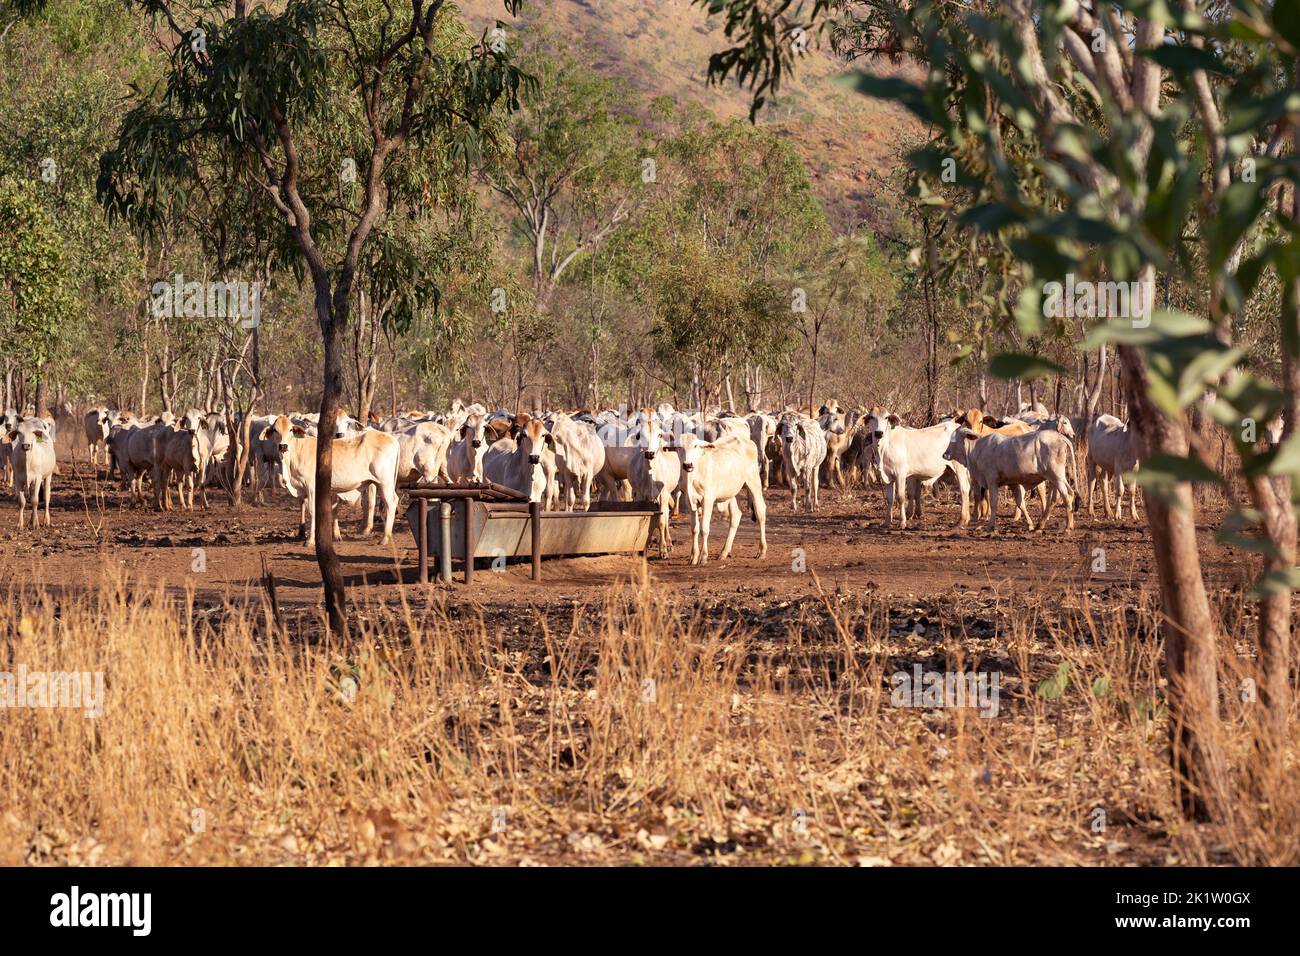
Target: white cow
column 1111, row 451
column 908, row 458
column 1021, row 461
column 655, row 473
column 465, row 456
column 423, row 452
column 179, row 457
column 367, row 458
column 97, row 423
column 517, row 462
column 762, row 429
column 32, row 458
column 714, row 474
column 579, row 457
column 803, row 449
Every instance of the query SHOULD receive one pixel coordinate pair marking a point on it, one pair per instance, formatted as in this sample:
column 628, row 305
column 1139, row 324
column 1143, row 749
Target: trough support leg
column 535, row 526
column 444, row 541
column 469, row 540
column 422, row 541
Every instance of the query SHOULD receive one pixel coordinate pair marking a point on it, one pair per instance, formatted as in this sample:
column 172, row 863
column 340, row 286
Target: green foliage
column 36, row 298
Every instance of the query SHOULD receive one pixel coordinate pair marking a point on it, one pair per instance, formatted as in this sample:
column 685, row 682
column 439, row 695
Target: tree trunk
column 333, row 319
column 1098, row 383
column 1190, row 629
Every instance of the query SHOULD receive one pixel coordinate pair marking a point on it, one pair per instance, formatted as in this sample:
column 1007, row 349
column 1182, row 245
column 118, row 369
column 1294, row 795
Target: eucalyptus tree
column 574, row 174
column 320, row 110
column 1113, row 144
column 36, row 288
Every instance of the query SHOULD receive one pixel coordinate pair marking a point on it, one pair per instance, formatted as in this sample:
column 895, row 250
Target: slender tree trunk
column 1098, row 383
column 332, row 326
column 1190, row 629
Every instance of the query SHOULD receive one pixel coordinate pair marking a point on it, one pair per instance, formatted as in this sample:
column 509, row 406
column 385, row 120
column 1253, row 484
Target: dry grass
column 447, row 736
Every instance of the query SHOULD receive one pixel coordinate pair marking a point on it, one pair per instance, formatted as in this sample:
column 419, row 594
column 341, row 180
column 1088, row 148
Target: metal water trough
column 488, row 520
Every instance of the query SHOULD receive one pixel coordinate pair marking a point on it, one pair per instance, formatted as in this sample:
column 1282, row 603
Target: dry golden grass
column 446, row 736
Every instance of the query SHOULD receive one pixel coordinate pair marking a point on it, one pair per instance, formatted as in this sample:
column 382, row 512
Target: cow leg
column 665, row 540
column 900, row 492
column 1022, row 505
column 759, row 507
column 963, row 488
column 1047, row 498
column 1067, row 495
column 309, row 518
column 371, row 495
column 49, row 488
column 390, row 509
column 706, row 524
column 697, row 529
column 734, row 514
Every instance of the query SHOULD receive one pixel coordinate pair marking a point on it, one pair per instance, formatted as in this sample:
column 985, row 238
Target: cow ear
column 895, row 420
column 464, row 429
column 299, row 431
column 13, row 435
column 550, row 439
column 990, row 421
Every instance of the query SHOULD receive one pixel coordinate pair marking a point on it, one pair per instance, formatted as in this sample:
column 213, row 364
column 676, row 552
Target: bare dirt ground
column 790, row 667
column 220, row 552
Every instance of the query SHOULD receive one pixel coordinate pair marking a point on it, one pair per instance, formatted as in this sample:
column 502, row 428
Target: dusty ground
column 887, row 784
column 845, row 545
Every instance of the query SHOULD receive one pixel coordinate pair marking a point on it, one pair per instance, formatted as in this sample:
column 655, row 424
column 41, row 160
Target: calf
column 32, row 458
column 1111, row 451
column 803, row 449
column 1020, row 461
column 714, row 474
column 368, row 458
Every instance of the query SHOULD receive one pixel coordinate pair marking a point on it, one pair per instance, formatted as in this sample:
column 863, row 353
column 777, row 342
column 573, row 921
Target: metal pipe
column 535, row 523
column 422, row 575
column 444, row 541
column 469, row 540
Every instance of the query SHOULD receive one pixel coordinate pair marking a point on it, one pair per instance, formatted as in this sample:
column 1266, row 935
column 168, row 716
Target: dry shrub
column 639, row 728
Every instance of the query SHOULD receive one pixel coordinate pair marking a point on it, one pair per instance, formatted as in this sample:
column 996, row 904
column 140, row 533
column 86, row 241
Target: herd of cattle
column 671, row 458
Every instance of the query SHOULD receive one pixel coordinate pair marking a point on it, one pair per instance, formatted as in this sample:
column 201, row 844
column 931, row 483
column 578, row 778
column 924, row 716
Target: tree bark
column 1190, row 630
column 327, row 558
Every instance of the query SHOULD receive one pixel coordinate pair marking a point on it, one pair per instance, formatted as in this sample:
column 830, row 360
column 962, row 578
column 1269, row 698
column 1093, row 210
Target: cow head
column 880, row 422
column 959, row 445
column 690, row 449
column 343, row 424
column 473, row 430
column 28, row 434
column 649, row 437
